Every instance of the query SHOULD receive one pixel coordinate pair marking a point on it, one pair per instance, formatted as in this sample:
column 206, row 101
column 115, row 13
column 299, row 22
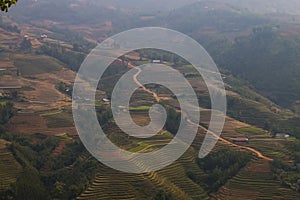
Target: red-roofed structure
column 240, row 139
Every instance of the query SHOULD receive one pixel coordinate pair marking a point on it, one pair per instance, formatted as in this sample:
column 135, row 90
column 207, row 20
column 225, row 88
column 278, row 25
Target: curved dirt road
column 258, row 153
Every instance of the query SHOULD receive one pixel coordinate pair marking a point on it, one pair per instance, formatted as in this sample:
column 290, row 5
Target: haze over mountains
column 257, row 6
column 255, row 44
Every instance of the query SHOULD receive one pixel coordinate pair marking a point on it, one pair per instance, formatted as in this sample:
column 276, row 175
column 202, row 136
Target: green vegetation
column 9, row 170
column 163, row 195
column 250, row 130
column 29, row 186
column 26, row 45
column 276, row 58
column 258, row 111
column 104, row 114
column 6, row 111
column 257, row 182
column 196, row 17
column 59, row 120
column 72, row 59
column 221, row 166
column 43, row 176
column 46, row 167
column 287, row 173
column 140, row 108
column 35, row 64
column 6, row 4
column 65, row 88
column 173, row 121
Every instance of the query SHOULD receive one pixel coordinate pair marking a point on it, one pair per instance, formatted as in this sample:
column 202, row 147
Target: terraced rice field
column 111, row 184
column 60, row 120
column 177, row 180
column 255, row 181
column 32, row 65
column 272, row 147
column 9, row 169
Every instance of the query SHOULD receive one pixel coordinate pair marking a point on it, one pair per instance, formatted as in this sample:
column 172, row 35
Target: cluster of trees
column 220, row 166
column 269, row 61
column 72, row 59
column 45, row 176
column 65, row 88
column 289, row 173
column 71, row 37
column 63, row 183
column 26, row 45
column 173, row 121
column 163, row 195
column 6, row 112
column 104, row 114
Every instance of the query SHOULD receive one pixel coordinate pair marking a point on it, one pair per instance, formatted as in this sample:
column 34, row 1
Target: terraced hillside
column 42, row 108
column 9, row 169
column 255, row 181
column 111, row 184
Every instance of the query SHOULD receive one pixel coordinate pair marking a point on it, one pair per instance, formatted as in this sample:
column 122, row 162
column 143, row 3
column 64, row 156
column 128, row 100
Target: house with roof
column 240, row 140
column 282, row 135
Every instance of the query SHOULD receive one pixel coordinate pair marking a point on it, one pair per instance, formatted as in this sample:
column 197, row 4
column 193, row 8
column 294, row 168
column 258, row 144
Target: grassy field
column 36, row 64
column 60, row 119
column 3, row 103
column 140, row 108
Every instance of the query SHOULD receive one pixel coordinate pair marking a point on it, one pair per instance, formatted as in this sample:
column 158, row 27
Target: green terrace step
column 258, row 185
column 9, row 169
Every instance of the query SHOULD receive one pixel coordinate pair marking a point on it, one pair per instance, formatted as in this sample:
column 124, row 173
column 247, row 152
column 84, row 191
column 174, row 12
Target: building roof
column 282, row 135
column 106, row 100
column 240, row 139
column 156, row 61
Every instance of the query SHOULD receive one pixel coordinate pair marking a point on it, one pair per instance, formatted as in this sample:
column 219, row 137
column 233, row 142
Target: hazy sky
column 148, row 4
column 261, row 6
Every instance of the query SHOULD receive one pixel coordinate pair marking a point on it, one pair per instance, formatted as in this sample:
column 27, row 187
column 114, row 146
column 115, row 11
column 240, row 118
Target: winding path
column 157, row 98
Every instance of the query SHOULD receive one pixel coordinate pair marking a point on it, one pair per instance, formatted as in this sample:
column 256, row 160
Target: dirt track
column 229, row 143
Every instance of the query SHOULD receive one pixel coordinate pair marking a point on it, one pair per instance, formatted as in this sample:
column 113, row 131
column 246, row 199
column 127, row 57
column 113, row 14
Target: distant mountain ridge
column 257, row 6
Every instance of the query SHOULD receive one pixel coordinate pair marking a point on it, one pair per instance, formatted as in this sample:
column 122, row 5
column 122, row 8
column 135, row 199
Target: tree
column 29, row 186
column 163, row 195
column 26, row 44
column 6, row 4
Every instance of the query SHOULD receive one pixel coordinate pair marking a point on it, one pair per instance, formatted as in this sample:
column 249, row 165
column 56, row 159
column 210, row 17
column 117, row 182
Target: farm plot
column 125, row 186
column 145, row 186
column 43, row 94
column 60, row 119
column 32, row 123
column 257, row 181
column 34, row 64
column 27, row 124
column 9, row 169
